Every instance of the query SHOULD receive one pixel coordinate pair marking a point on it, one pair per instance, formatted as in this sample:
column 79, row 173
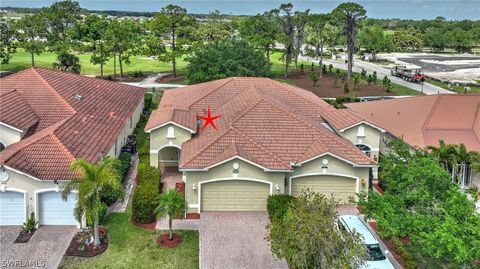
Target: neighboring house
column 425, row 120
column 272, row 138
column 47, row 120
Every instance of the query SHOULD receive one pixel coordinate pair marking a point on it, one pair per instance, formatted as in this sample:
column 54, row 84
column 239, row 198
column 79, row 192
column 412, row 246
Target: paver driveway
column 235, row 240
column 44, row 250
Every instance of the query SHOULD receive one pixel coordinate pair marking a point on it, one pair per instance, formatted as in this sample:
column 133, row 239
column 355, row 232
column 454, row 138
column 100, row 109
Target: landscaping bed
column 326, row 85
column 82, row 244
column 148, row 226
column 164, row 241
column 24, row 236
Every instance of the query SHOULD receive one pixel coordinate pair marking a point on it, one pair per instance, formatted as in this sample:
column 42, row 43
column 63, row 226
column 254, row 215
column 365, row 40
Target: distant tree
column 459, row 39
column 349, row 14
column 214, row 28
column 174, row 25
column 62, row 19
column 7, row 40
column 226, row 58
column 124, row 39
column 31, row 32
column 408, row 39
column 260, row 30
column 286, row 37
column 93, row 31
column 67, row 62
column 300, row 20
column 308, row 236
column 333, row 35
column 374, row 40
column 436, row 39
column 316, row 35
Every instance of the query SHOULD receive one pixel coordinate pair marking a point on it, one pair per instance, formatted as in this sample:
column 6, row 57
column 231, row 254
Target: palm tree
column 91, row 180
column 446, row 155
column 171, row 203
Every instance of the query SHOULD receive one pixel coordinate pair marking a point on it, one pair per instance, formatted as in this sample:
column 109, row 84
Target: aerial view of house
column 239, row 134
column 48, row 119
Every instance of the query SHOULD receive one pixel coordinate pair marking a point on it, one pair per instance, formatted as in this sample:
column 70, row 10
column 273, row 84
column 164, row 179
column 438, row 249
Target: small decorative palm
column 92, row 179
column 171, row 203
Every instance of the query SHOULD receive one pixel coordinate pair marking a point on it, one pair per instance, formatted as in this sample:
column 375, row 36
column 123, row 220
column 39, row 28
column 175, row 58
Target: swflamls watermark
column 23, row 263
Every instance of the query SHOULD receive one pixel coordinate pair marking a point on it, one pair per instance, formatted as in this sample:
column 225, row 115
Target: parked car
column 376, row 258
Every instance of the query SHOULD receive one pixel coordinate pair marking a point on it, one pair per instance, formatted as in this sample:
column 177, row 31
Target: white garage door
column 12, row 208
column 234, row 195
column 53, row 210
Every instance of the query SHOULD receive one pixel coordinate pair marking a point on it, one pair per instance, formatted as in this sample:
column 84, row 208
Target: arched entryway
column 168, row 156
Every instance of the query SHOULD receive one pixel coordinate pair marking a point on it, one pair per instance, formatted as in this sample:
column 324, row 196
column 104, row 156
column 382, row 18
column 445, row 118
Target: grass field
column 21, row 60
column 458, row 89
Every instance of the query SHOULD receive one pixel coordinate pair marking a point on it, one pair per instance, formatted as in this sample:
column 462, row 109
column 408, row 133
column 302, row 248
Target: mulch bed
column 78, row 248
column 170, row 79
column 24, row 236
column 193, row 216
column 163, row 241
column 148, row 226
column 326, row 85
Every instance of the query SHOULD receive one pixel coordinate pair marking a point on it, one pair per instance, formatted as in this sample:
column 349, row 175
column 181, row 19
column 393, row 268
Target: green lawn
column 133, row 247
column 454, row 88
column 21, row 60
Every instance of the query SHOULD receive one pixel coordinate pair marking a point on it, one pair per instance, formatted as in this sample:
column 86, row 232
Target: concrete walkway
column 150, row 82
column 128, row 186
column 428, row 88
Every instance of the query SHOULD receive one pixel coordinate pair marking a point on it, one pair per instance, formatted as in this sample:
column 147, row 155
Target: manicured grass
column 134, row 247
column 454, row 88
column 402, row 90
column 21, row 60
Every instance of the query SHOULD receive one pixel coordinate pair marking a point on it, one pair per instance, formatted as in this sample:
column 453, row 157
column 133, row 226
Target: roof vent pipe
column 78, row 97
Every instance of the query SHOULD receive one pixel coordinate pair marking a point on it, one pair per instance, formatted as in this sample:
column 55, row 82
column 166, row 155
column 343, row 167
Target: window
column 374, row 252
column 364, row 148
column 361, row 131
column 171, row 132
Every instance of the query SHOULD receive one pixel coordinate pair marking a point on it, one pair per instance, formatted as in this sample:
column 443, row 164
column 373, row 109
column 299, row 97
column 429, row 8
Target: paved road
column 381, row 72
column 44, row 250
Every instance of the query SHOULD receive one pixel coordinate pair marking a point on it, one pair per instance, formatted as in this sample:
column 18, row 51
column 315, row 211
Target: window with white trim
column 361, row 131
column 171, row 132
column 364, row 148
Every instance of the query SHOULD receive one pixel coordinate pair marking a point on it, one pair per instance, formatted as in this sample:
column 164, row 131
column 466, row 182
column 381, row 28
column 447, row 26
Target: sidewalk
column 179, row 224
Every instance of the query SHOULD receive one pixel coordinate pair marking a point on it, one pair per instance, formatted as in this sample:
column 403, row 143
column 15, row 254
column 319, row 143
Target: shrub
column 302, row 67
column 30, row 225
column 102, row 211
column 345, row 88
column 277, row 206
column 314, row 78
column 330, row 68
column 146, row 173
column 324, row 69
column 145, row 201
column 123, row 165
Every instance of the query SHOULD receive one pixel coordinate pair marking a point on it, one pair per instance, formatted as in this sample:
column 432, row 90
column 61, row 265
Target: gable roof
column 263, row 121
column 424, row 120
column 62, row 127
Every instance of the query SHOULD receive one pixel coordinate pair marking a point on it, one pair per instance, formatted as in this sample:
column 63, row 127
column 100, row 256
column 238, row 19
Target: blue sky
column 407, row 9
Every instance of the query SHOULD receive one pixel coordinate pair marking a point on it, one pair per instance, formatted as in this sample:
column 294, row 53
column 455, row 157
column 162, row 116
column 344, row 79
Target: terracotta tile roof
column 67, row 128
column 15, row 112
column 344, row 118
column 263, row 121
column 424, row 120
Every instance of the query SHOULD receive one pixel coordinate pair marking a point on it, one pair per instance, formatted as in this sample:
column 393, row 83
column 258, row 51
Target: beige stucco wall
column 18, row 181
column 9, row 136
column 126, row 131
column 372, row 137
column 476, row 180
column 334, row 167
column 159, row 140
column 225, row 172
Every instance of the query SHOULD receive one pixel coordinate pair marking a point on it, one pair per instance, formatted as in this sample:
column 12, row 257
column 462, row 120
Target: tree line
column 65, row 29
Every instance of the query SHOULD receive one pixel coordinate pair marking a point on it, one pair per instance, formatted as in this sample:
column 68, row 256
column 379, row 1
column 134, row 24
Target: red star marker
column 209, row 120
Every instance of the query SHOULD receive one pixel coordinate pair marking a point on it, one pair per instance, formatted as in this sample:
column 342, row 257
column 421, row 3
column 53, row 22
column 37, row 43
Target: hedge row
column 277, row 206
column 145, row 196
column 121, row 165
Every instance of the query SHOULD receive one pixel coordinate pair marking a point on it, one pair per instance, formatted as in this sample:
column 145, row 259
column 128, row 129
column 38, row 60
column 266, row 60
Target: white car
column 376, row 258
